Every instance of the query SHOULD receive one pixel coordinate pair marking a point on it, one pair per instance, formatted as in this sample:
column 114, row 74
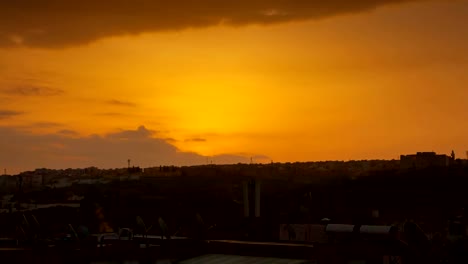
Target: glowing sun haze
column 92, row 83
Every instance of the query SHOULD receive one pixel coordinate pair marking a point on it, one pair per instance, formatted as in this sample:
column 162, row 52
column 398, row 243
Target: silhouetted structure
column 424, row 160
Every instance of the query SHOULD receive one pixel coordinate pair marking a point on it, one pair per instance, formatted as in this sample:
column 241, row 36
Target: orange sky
column 345, row 84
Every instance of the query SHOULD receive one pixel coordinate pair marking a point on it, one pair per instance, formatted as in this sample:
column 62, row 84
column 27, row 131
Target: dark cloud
column 8, row 113
column 121, row 103
column 32, row 90
column 195, row 140
column 53, row 23
column 110, row 151
column 141, row 133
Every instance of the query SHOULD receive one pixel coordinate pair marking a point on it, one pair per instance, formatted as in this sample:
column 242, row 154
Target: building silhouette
column 423, row 160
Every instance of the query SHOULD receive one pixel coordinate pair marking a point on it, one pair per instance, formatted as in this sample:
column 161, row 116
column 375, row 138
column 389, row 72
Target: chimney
column 245, row 186
column 257, row 198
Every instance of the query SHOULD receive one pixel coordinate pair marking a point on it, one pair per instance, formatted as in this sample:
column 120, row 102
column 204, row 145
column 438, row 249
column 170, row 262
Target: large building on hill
column 422, row 160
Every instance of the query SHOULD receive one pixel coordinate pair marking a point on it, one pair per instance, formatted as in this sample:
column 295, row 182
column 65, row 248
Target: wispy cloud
column 4, row 114
column 47, row 124
column 66, row 23
column 195, row 140
column 67, row 132
column 121, row 103
column 32, row 90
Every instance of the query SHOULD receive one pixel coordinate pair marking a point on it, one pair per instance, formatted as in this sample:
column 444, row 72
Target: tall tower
column 245, row 189
column 128, row 163
column 453, row 155
column 251, row 195
column 257, row 198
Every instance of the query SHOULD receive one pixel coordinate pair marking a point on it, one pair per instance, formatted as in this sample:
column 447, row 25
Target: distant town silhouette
column 417, row 201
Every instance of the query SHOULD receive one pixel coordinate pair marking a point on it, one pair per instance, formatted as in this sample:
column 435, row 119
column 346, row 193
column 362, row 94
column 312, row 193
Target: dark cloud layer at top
column 57, row 23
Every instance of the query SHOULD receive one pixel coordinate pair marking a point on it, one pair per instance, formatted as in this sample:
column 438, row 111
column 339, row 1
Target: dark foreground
column 340, row 247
